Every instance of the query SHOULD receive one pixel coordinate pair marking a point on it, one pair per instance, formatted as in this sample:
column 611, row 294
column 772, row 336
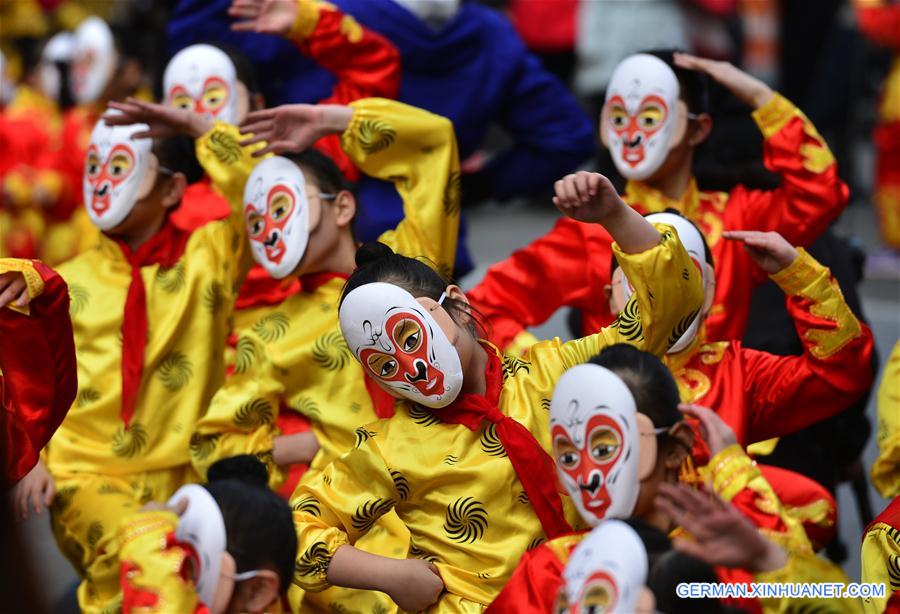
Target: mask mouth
column 274, row 246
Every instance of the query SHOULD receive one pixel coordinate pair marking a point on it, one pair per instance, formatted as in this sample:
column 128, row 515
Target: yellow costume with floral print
column 455, row 489
column 294, row 356
column 103, row 470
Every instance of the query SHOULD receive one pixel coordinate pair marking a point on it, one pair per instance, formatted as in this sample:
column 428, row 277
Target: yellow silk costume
column 294, row 356
column 103, row 470
column 886, row 469
column 455, row 489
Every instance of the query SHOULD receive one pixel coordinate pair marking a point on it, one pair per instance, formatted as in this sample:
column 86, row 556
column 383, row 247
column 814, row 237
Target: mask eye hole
column 566, row 453
column 408, row 335
column 651, row 117
column 280, row 207
column 618, row 117
column 214, row 97
column 93, row 164
column 382, row 365
column 120, row 165
column 255, row 224
column 604, row 444
column 597, row 599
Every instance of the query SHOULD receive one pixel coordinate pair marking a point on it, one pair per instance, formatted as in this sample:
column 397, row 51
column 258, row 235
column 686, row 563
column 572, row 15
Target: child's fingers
column 261, row 115
column 23, row 297
column 36, row 501
column 582, row 186
column 595, row 183
column 244, row 26
column 50, row 493
column 570, row 193
column 689, row 547
column 11, row 292
column 255, row 127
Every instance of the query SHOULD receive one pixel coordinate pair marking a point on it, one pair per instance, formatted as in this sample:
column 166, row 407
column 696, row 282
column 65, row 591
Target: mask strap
column 692, row 115
column 246, row 575
column 441, row 300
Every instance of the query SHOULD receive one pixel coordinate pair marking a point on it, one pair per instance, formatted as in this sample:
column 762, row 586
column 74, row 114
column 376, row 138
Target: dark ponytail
column 377, row 262
column 259, row 523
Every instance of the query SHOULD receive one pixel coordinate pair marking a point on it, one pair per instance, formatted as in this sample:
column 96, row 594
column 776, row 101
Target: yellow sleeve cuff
column 797, row 276
column 772, row 116
column 731, row 470
column 33, row 280
column 306, row 22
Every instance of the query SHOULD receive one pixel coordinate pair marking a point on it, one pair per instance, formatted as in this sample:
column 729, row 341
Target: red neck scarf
column 163, row 248
column 381, row 400
column 532, row 464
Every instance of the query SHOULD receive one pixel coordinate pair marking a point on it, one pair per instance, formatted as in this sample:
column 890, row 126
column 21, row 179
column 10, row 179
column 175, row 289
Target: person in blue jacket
column 460, row 60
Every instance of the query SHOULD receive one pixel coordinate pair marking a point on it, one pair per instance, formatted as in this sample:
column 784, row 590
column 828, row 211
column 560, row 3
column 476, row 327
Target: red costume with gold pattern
column 38, row 377
column 570, row 265
column 881, row 558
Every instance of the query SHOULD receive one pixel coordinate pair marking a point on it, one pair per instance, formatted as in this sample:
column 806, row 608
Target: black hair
column 177, row 154
column 649, row 380
column 324, row 170
column 377, row 262
column 672, row 568
column 694, row 84
column 707, row 253
column 258, row 523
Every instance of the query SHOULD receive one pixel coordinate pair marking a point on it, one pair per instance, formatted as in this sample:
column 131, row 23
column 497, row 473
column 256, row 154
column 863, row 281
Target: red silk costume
column 880, row 22
column 881, row 558
column 37, row 360
column 570, row 265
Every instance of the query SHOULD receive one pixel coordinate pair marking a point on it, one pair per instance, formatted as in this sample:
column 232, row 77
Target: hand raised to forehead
column 769, row 250
column 717, row 434
column 294, row 127
column 264, row 16
column 722, row 536
column 164, row 121
column 750, row 90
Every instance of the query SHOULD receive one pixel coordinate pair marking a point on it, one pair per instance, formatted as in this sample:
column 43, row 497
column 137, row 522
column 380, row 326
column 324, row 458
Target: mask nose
column 421, row 372
column 272, row 239
column 634, row 141
column 104, row 188
column 593, row 484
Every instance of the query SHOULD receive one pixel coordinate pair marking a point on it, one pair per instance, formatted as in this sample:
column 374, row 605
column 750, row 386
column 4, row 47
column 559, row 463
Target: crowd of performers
column 246, row 386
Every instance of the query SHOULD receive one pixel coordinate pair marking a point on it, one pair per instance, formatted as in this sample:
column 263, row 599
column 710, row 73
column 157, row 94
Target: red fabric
column 164, row 248
column 881, row 24
column 533, row 466
column 366, row 68
column 893, row 604
column 797, row 491
column 545, row 26
column 889, row 516
column 40, row 379
column 200, row 205
column 290, row 422
column 570, row 266
column 78, row 123
column 533, row 587
column 739, row 576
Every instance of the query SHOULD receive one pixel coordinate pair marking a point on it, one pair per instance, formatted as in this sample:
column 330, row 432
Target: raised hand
column 586, row 197
column 722, row 536
column 294, row 127
column 163, row 121
column 750, row 90
column 264, row 16
column 13, row 289
column 717, row 434
column 35, row 490
column 416, row 585
column 769, row 250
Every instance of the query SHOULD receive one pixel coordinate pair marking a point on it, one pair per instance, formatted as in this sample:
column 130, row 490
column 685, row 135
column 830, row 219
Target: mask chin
column 688, row 337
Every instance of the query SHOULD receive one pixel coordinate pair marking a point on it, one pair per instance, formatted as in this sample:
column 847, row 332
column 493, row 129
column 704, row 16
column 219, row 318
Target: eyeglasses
column 326, row 196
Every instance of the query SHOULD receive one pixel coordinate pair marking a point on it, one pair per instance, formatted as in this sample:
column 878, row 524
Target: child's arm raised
column 667, row 289
column 792, row 392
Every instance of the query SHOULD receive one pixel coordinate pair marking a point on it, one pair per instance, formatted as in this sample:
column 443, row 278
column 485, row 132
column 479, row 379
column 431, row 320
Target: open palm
column 163, row 121
column 264, row 16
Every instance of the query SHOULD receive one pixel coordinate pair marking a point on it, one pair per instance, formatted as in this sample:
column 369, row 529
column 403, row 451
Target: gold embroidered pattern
column 375, row 135
column 692, row 384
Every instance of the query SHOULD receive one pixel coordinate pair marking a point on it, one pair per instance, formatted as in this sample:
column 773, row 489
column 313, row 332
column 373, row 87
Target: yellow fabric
column 807, row 278
column 807, row 567
column 731, row 471
column 294, row 355
column 188, row 309
column 33, row 281
column 881, row 563
column 889, row 109
column 306, row 21
column 141, row 541
column 86, row 515
column 886, row 469
column 455, row 489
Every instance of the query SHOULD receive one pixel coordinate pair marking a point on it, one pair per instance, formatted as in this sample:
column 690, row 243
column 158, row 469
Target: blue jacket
column 476, row 71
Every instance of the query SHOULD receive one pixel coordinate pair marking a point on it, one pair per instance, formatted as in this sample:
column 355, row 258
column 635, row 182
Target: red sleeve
column 533, row 586
column 880, row 22
column 554, row 271
column 365, row 63
column 37, row 358
column 68, row 160
column 811, row 195
column 789, row 393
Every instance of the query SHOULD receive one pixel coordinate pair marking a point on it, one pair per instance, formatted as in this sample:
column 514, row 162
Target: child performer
column 761, row 395
column 150, row 308
column 38, row 376
column 464, row 460
column 300, row 211
column 619, row 441
column 654, row 118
